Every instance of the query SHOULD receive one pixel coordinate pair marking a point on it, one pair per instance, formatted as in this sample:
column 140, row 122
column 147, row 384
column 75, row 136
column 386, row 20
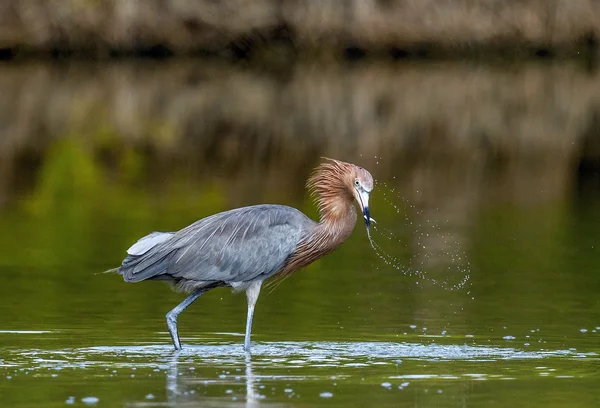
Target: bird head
column 334, row 179
column 362, row 185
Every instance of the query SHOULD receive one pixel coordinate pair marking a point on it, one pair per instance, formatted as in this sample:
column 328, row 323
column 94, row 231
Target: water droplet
column 90, row 400
column 326, row 395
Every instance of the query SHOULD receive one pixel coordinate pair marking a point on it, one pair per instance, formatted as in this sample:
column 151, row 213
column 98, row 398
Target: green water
column 350, row 330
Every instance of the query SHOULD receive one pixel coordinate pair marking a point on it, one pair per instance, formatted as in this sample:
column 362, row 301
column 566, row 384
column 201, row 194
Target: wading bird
column 242, row 248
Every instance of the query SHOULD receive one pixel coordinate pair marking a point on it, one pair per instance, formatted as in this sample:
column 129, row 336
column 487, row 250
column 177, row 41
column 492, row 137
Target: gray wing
column 234, row 246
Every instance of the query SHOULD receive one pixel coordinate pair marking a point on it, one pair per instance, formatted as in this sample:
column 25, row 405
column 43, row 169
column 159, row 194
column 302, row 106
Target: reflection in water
column 173, row 385
column 181, row 389
column 444, row 131
column 215, row 375
column 252, row 397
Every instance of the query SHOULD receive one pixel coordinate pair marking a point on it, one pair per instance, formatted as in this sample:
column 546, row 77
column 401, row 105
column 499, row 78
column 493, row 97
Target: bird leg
column 174, row 313
column 252, row 294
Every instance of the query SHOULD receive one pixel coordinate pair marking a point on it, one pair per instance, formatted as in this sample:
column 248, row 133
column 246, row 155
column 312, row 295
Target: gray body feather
column 233, row 248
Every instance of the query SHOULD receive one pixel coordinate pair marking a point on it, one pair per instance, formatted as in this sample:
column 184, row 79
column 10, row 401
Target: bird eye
column 356, row 183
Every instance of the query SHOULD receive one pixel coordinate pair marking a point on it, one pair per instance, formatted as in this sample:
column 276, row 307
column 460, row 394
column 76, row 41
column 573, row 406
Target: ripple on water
column 281, row 354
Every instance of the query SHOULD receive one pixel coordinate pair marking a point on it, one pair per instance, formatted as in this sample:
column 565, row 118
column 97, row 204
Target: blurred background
column 480, row 122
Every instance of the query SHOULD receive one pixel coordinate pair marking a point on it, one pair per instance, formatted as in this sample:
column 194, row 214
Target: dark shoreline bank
column 288, row 30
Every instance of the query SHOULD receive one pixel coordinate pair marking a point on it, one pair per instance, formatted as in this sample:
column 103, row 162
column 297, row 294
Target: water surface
column 473, row 179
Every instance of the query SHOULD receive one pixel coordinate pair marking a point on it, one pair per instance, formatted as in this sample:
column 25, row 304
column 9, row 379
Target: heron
column 243, row 247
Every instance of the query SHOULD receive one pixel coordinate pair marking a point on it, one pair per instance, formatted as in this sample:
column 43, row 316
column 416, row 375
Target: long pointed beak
column 364, row 205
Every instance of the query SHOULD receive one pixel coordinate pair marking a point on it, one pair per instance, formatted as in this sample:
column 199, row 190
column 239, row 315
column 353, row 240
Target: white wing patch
column 148, row 242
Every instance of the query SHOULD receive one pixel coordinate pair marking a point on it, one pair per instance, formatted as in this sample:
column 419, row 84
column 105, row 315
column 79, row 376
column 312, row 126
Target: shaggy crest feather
column 328, row 183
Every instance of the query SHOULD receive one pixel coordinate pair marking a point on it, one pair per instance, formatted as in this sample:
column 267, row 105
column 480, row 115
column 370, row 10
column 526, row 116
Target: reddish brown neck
column 337, row 220
column 336, row 224
column 337, row 215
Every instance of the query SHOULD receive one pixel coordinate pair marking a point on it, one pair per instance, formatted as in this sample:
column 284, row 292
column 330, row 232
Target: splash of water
column 458, row 259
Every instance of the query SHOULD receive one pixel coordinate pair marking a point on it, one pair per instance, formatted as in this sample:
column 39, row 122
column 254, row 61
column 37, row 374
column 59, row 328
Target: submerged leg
column 252, row 294
column 174, row 313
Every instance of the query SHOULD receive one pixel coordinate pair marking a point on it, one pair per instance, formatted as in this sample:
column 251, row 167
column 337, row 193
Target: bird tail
column 137, row 251
column 142, row 262
column 113, row 270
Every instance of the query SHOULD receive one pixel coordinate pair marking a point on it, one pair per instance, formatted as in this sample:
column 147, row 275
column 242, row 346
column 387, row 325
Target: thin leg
column 174, row 313
column 252, row 294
